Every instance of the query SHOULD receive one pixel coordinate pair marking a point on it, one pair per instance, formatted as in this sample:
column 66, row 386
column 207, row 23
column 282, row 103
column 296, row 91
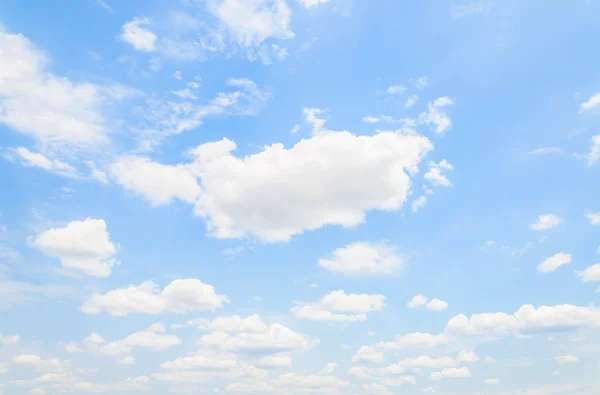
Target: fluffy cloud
column 435, row 175
column 415, row 340
column 451, row 373
column 422, row 362
column 135, row 34
column 312, row 3
column 396, row 89
column 594, row 156
column 594, row 218
column 527, row 319
column 436, row 115
column 554, row 262
column 434, row 304
column 83, row 246
column 276, row 361
column 545, row 222
column 151, row 338
column 592, row 104
column 363, row 258
column 592, row 273
column 467, row 356
column 180, row 296
column 338, row 177
column 339, row 306
column 275, row 339
column 368, row 354
column 251, row 22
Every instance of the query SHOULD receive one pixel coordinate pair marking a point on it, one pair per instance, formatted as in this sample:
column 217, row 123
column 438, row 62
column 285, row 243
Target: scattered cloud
column 363, row 258
column 545, row 222
column 592, row 273
column 592, row 104
column 554, row 262
column 368, row 354
column 179, row 297
column 415, row 340
column 82, row 246
column 566, row 359
column 436, row 115
column 396, row 89
column 451, row 373
column 338, row 306
column 312, row 3
column 435, row 175
column 422, row 301
column 411, row 101
column 135, row 34
column 593, row 218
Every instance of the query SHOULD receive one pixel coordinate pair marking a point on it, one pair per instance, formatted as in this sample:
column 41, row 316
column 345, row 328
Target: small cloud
column 489, row 243
column 257, row 299
column 411, row 101
column 313, row 285
column 547, row 151
column 592, row 104
column 177, row 75
column 295, row 129
column 396, row 89
column 545, row 222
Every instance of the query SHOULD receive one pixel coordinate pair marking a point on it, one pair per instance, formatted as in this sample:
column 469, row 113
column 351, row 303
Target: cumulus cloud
column 135, row 34
column 339, row 306
column 368, row 354
column 527, row 320
column 451, row 373
column 554, row 262
column 338, row 177
column 592, row 104
column 592, row 273
column 363, row 258
column 545, row 222
column 151, row 338
column 415, row 340
column 179, row 297
column 467, row 356
column 82, row 246
column 593, row 218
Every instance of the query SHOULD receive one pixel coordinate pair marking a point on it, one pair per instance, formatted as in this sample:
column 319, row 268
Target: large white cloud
column 363, row 258
column 592, row 104
column 83, row 246
column 527, row 319
column 332, row 178
column 180, row 296
column 339, row 306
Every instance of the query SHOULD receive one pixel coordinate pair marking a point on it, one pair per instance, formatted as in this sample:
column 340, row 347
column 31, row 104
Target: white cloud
column 83, row 246
column 396, row 89
column 421, row 82
column 177, row 75
column 295, row 129
column 437, row 305
column 435, row 175
column 451, row 373
column 9, row 339
column 594, row 156
column 339, row 306
column 180, row 296
column 136, row 35
column 527, row 319
column 329, row 368
column 554, row 262
column 594, row 218
column 150, row 339
column 276, row 361
column 235, row 323
column 411, row 101
column 184, row 94
column 275, row 339
column 422, row 362
column 592, row 104
column 491, row 381
column 312, row 3
column 489, row 359
column 419, row 203
column 415, row 340
column 566, row 359
column 436, row 116
column 126, row 361
column 368, row 354
column 417, row 301
column 35, row 159
column 592, row 273
column 545, row 222
column 56, row 112
column 251, row 22
column 341, row 178
column 363, row 258
column 467, row 356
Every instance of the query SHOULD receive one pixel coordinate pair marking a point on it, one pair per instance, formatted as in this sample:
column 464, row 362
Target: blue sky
column 299, row 197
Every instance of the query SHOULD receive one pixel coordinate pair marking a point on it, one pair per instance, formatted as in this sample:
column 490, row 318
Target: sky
column 299, row 197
